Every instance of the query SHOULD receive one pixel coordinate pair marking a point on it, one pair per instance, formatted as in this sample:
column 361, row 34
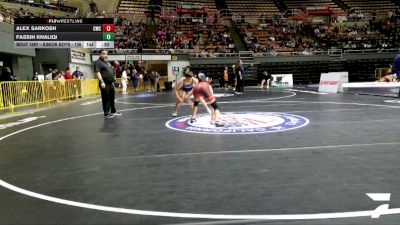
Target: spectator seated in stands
column 285, row 36
column 374, row 35
column 277, row 36
column 129, row 35
column 193, row 34
column 54, row 5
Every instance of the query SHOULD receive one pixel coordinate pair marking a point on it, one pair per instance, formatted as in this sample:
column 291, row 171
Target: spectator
column 157, row 81
column 68, row 75
column 77, row 74
column 226, row 78
column 152, row 77
column 266, row 78
column 129, row 34
column 117, row 69
column 6, row 75
column 35, row 76
column 124, row 80
column 135, row 79
column 79, row 77
column 49, row 76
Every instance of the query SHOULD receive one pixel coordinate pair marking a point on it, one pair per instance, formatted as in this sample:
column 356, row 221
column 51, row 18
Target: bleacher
column 265, row 7
column 302, row 5
column 128, row 34
column 209, row 35
column 44, row 4
column 371, row 6
column 209, row 5
column 132, row 6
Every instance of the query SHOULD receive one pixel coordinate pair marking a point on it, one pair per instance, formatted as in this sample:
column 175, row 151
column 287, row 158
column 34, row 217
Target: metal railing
column 195, row 54
column 14, row 94
column 379, row 50
column 213, row 55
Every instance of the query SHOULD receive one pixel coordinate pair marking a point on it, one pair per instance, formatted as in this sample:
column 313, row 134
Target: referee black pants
column 239, row 84
column 108, row 98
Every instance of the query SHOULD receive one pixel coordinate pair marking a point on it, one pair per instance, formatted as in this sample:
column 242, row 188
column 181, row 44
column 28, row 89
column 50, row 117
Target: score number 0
column 108, row 27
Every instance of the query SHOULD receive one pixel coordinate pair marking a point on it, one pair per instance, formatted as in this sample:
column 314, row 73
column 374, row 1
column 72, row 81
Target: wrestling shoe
column 219, row 124
column 108, row 116
column 116, row 114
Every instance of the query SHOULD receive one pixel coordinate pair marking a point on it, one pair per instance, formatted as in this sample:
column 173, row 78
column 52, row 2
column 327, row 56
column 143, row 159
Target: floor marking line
column 342, row 103
column 259, row 150
column 200, row 216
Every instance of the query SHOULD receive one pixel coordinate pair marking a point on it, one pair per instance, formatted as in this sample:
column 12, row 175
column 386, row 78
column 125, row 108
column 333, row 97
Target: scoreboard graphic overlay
column 64, row 33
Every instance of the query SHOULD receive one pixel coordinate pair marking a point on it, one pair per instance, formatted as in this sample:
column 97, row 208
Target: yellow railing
column 15, row 94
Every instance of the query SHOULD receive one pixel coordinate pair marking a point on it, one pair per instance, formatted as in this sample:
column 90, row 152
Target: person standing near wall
column 106, row 77
column 6, row 74
column 124, row 80
column 234, row 76
column 226, row 78
column 266, row 78
column 157, row 79
column 239, row 77
column 79, row 77
column 67, row 74
column 135, row 79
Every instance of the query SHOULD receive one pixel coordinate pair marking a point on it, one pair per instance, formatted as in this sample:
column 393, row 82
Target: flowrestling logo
column 240, row 123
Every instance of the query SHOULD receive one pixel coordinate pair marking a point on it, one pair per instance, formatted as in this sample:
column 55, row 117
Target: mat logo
column 240, row 123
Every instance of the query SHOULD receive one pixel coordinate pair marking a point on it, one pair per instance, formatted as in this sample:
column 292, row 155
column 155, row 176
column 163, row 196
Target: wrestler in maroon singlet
column 204, row 90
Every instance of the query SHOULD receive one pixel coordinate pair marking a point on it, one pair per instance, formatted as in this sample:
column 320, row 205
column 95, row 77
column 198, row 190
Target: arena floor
column 285, row 157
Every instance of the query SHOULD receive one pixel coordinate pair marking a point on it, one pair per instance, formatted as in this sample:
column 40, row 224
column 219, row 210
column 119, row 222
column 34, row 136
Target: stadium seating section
column 260, row 24
column 295, row 4
column 370, row 6
column 264, row 7
column 207, row 4
column 132, row 6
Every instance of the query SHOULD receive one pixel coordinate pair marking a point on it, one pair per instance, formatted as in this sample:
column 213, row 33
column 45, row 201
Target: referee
column 106, row 76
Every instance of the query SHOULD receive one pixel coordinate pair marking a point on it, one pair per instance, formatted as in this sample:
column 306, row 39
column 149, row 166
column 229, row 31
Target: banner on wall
column 157, row 57
column 81, row 56
column 134, row 57
column 95, row 57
